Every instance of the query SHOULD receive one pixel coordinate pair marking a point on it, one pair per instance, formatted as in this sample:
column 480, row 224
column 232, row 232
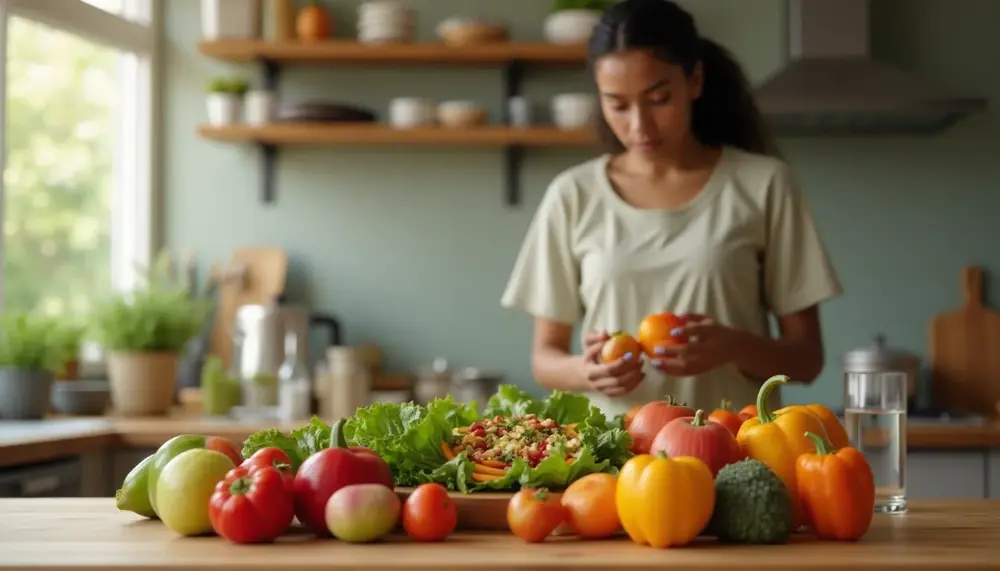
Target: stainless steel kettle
column 260, row 330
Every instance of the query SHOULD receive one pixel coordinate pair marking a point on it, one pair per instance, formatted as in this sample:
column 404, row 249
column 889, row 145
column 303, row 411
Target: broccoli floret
column 752, row 505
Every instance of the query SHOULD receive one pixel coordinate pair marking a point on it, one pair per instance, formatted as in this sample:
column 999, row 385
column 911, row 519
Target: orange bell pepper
column 837, row 491
column 778, row 440
column 835, row 431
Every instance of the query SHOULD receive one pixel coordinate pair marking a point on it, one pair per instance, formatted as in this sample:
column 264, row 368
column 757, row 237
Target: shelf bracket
column 269, row 164
column 270, row 74
column 513, row 159
column 513, row 77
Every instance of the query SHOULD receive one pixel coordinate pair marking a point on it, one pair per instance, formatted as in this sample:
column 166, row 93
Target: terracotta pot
column 142, row 384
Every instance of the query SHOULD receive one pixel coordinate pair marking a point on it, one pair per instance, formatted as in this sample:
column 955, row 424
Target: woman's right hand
column 612, row 379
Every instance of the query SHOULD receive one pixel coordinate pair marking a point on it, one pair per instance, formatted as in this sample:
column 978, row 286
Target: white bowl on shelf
column 573, row 110
column 570, row 26
column 409, row 112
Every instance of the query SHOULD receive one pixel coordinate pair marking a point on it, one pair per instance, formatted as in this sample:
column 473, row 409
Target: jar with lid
column 879, row 358
column 294, row 385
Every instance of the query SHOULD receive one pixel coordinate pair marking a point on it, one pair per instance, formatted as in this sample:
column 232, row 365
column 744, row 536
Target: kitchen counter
column 69, row 534
column 23, row 442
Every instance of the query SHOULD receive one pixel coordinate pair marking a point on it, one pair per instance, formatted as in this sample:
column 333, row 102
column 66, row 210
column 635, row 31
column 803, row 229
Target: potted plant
column 68, row 339
column 29, row 359
column 225, row 100
column 573, row 21
column 143, row 333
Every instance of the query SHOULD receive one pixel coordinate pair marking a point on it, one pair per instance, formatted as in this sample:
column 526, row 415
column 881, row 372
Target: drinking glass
column 875, row 415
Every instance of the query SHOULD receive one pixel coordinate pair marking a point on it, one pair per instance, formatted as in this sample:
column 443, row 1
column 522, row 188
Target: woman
column 689, row 211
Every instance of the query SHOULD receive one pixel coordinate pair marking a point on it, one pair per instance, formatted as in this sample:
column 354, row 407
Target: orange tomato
column 533, row 515
column 749, row 411
column 313, row 23
column 630, row 415
column 429, row 514
column 591, row 511
column 618, row 345
column 731, row 420
column 660, row 329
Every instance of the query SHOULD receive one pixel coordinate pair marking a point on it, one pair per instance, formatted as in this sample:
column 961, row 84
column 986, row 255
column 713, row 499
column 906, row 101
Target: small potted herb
column 68, row 340
column 143, row 333
column 224, row 101
column 30, row 356
column 573, row 21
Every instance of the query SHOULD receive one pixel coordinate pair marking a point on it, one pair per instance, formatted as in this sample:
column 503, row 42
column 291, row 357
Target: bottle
column 294, row 392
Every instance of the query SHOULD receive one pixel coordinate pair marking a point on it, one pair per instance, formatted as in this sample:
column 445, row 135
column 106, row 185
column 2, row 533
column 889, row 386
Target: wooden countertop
column 69, row 534
column 23, row 442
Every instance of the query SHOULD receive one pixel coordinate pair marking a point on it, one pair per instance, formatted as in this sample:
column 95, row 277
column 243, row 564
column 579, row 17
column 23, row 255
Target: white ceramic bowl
column 570, row 26
column 407, row 112
column 573, row 110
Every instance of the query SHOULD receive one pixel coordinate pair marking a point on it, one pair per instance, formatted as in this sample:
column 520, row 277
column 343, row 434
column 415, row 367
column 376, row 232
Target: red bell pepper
column 273, row 457
column 330, row 469
column 251, row 505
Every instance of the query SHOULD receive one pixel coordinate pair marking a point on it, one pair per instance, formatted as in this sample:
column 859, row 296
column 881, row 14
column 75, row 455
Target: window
column 75, row 129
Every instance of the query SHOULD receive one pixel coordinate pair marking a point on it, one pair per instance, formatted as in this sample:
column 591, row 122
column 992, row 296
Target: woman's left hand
column 709, row 345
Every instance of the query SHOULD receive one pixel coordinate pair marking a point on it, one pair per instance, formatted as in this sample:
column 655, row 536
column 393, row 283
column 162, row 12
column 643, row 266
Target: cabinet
column 993, row 474
column 122, row 462
column 948, row 475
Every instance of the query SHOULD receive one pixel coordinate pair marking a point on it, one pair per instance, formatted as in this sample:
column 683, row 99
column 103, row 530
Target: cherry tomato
column 429, row 514
column 273, row 457
column 533, row 515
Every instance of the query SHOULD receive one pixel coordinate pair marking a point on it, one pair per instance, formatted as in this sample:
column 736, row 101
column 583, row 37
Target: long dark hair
column 725, row 114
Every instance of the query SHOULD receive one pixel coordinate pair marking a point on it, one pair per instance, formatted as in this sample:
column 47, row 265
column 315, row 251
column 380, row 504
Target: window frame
column 136, row 33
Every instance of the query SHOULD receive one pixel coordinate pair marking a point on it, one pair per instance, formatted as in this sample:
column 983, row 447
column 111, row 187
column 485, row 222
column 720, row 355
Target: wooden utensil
column 965, row 352
column 264, row 271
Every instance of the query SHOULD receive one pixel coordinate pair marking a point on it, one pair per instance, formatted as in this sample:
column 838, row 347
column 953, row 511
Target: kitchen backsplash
column 411, row 247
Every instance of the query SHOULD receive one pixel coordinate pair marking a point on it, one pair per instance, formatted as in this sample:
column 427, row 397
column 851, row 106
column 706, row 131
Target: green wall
column 411, row 248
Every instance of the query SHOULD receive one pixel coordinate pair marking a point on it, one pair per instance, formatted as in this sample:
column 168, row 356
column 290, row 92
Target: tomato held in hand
column 661, row 329
column 251, row 505
column 533, row 515
column 618, row 345
column 272, row 457
column 429, row 514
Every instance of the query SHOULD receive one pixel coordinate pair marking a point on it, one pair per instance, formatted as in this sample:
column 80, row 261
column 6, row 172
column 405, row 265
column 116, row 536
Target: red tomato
column 330, row 469
column 273, row 457
column 618, row 345
column 251, row 505
column 651, row 418
column 709, row 442
column 661, row 329
column 533, row 515
column 225, row 446
column 429, row 514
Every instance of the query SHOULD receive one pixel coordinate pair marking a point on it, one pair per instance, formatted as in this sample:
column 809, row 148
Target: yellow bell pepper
column 834, row 429
column 664, row 502
column 778, row 439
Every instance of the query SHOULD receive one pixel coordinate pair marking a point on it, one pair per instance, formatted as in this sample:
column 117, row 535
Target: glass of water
column 875, row 415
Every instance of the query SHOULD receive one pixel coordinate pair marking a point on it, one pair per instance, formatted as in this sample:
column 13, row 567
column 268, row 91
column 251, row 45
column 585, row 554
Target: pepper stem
column 822, row 446
column 764, row 413
column 337, row 437
column 239, row 486
column 669, row 399
column 725, row 404
column 699, row 418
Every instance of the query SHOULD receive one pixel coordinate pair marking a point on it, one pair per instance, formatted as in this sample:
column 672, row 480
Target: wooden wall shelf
column 314, row 134
column 434, row 54
column 511, row 57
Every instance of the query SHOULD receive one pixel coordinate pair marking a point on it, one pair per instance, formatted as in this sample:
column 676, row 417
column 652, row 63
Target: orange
column 660, row 329
column 591, row 511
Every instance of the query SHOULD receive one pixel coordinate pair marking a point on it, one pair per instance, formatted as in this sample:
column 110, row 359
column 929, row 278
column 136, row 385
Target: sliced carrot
column 495, row 464
column 485, row 477
column 480, row 469
column 446, row 450
column 570, row 431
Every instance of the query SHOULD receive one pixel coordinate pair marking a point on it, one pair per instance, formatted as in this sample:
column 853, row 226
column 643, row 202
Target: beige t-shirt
column 745, row 246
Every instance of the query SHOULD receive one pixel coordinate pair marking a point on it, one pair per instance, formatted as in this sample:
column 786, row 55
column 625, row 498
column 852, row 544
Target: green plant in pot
column 224, row 101
column 573, row 21
column 68, row 339
column 30, row 356
column 143, row 333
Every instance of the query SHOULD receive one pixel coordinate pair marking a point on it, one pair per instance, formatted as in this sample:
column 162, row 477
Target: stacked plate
column 384, row 21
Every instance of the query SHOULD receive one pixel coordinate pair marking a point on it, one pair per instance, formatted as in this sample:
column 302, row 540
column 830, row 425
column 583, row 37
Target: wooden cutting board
column 965, row 352
column 264, row 271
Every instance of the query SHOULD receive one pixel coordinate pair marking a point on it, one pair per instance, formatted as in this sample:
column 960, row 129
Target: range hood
column 833, row 86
